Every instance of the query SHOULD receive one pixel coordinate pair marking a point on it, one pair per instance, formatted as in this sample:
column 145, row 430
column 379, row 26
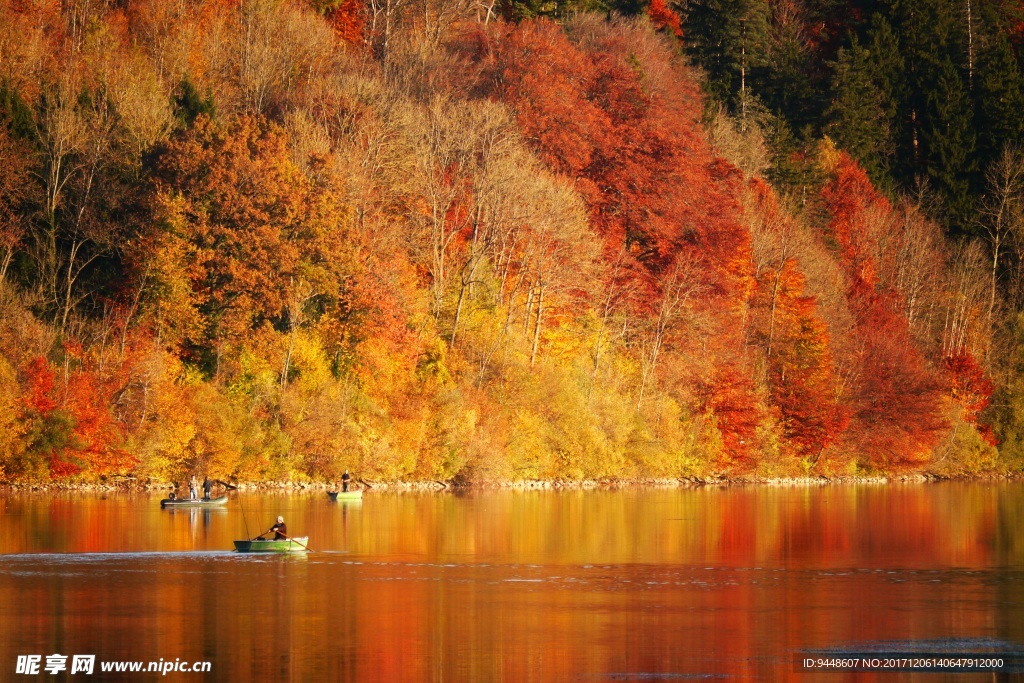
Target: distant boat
column 346, row 495
column 291, row 545
column 190, row 503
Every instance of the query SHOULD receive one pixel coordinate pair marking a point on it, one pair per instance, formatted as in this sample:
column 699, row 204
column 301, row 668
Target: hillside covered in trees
column 474, row 241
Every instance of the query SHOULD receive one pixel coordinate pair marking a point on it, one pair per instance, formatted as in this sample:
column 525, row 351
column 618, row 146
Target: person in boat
column 173, row 496
column 207, row 488
column 192, row 489
column 345, row 479
column 280, row 531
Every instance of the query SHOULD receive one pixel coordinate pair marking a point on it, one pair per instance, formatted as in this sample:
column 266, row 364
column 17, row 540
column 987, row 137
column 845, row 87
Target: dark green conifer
column 790, row 83
column 189, row 105
column 726, row 38
column 888, row 69
column 948, row 140
column 857, row 117
column 999, row 97
column 15, row 115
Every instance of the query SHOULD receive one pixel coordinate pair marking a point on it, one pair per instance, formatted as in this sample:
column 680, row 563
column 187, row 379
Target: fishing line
column 244, row 520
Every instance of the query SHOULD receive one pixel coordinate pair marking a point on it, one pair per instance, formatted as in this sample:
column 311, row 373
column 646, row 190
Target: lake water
column 640, row 584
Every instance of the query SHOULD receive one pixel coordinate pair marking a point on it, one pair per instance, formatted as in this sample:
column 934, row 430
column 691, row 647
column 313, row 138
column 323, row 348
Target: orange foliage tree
column 655, row 191
column 71, row 428
column 664, row 18
column 971, row 389
column 800, row 377
column 800, row 369
column 502, row 247
column 897, row 397
column 245, row 239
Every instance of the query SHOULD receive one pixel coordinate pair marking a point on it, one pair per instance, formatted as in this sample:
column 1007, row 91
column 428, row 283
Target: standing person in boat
column 192, row 489
column 207, row 488
column 345, row 479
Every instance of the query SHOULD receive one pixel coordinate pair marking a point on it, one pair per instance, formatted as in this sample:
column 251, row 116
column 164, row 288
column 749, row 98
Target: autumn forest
column 504, row 240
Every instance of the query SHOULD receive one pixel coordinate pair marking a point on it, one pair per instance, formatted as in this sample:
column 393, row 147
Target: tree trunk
column 970, row 48
column 536, row 328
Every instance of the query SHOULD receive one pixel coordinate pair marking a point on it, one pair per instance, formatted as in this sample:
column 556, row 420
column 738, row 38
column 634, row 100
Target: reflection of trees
column 739, row 575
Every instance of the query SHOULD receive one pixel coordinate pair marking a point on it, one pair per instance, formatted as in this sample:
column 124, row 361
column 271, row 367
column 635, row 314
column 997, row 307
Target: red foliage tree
column 629, row 138
column 348, row 19
column 897, row 400
column 800, row 377
column 664, row 18
column 71, row 424
column 633, row 149
column 971, row 389
column 796, row 344
column 730, row 398
column 39, row 378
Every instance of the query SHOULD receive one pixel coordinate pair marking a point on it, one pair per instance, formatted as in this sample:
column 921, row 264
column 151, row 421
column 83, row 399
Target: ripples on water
column 627, row 585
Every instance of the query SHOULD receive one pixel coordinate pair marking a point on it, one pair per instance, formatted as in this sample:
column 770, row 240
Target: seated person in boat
column 280, row 531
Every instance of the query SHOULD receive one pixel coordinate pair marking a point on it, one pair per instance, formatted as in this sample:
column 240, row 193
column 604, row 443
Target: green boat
column 189, row 503
column 346, row 495
column 292, row 545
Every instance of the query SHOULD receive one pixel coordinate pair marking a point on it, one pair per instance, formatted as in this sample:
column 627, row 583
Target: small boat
column 291, row 545
column 357, row 494
column 189, row 503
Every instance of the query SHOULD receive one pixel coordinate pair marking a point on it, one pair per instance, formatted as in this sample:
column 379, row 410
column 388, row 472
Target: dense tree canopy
column 486, row 241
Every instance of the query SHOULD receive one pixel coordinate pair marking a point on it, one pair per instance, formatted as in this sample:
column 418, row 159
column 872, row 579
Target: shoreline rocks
column 133, row 485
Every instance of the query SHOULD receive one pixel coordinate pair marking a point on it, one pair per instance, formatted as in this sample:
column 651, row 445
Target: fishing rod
column 244, row 520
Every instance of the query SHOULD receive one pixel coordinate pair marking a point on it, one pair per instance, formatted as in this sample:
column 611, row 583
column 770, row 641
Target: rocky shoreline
column 134, row 485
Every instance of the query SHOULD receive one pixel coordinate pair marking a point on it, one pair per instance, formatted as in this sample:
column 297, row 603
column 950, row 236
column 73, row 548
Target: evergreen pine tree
column 948, row 140
column 14, row 113
column 794, row 168
column 923, row 30
column 189, row 105
column 857, row 120
column 727, row 39
column 937, row 140
column 999, row 97
column 790, row 83
column 887, row 68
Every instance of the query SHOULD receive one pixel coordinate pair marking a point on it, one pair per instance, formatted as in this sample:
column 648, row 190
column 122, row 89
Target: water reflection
column 598, row 585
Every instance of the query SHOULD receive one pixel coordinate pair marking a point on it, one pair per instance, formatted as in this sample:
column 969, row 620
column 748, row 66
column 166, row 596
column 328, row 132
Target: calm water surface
column 492, row 586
